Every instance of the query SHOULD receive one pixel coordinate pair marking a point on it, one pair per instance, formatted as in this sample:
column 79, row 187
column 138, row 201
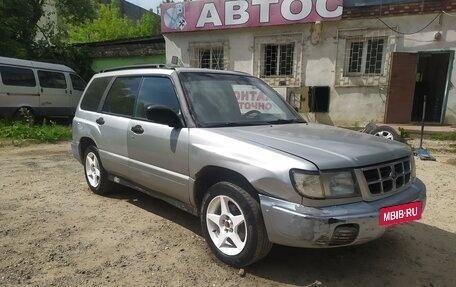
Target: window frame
column 102, row 98
column 18, row 68
column 79, row 78
column 135, row 116
column 201, row 51
column 364, row 56
column 38, row 71
column 279, row 46
column 105, row 97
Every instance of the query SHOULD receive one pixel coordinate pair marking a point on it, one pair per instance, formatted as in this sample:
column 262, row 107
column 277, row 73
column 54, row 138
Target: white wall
column 354, row 103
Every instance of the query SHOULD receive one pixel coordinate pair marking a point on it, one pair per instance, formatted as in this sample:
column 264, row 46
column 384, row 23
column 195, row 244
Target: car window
column 94, row 93
column 122, row 96
column 156, row 91
column 78, row 83
column 12, row 76
column 54, row 80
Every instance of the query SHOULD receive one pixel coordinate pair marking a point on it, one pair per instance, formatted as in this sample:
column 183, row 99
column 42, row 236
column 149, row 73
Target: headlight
column 325, row 185
column 308, row 185
column 339, row 184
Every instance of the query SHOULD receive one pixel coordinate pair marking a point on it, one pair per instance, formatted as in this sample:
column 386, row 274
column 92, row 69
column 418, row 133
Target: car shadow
column 413, row 254
column 158, row 207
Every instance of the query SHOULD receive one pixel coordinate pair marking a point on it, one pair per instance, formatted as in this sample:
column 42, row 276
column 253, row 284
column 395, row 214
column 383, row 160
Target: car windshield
column 221, row 100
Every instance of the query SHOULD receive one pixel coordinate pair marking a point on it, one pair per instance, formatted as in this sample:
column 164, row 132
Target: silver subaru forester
column 226, row 147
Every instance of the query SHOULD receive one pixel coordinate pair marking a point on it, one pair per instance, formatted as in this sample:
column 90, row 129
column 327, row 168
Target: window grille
column 365, row 57
column 212, row 58
column 278, row 60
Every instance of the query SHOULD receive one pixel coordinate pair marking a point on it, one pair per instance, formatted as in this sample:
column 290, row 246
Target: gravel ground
column 55, row 232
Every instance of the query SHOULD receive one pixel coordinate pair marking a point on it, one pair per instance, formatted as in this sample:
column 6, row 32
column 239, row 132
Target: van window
column 52, row 80
column 94, row 93
column 156, row 91
column 12, row 76
column 122, row 96
column 78, row 83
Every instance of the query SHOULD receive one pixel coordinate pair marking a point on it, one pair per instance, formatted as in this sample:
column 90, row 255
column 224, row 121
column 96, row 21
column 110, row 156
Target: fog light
column 344, row 234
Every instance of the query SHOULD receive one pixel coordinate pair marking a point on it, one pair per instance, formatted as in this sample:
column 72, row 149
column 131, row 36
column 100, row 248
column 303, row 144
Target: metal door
column 401, row 88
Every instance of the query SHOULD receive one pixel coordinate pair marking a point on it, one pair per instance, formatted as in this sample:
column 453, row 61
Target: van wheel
column 233, row 226
column 25, row 115
column 96, row 176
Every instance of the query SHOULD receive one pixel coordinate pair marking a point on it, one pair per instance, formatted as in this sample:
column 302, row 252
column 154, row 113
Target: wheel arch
column 84, row 143
column 210, row 175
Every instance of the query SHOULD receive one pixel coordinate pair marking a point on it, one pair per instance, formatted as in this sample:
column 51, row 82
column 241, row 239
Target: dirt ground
column 55, row 232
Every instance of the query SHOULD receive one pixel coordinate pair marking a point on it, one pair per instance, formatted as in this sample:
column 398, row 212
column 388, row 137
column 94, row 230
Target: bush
column 46, row 132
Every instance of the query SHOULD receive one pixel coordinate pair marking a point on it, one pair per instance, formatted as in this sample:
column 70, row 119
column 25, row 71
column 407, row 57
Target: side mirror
column 163, row 115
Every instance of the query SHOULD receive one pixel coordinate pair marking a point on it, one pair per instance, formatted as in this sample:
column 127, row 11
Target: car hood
column 327, row 147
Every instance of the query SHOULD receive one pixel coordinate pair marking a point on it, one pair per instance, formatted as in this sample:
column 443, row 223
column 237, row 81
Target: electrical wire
column 449, row 14
column 403, row 33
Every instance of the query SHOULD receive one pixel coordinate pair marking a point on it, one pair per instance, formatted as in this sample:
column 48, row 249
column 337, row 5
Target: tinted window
column 52, row 80
column 156, row 91
column 78, row 83
column 122, row 95
column 94, row 93
column 17, row 76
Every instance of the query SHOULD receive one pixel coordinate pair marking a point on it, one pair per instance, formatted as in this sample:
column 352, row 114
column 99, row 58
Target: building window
column 365, row 57
column 212, row 58
column 278, row 60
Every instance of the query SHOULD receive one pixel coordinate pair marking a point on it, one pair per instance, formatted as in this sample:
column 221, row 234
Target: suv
column 226, row 147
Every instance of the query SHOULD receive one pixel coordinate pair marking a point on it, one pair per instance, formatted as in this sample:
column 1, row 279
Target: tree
column 18, row 20
column 110, row 25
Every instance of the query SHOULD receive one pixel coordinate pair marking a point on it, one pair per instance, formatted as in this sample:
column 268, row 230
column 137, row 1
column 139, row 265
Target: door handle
column 137, row 129
column 100, row 121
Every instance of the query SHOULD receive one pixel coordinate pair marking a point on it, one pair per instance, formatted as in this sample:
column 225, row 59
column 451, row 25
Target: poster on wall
column 220, row 14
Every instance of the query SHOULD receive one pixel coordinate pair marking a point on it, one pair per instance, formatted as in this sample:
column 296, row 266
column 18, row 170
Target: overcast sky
column 148, row 4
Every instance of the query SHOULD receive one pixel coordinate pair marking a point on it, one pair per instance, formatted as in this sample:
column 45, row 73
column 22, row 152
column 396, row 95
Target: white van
column 42, row 88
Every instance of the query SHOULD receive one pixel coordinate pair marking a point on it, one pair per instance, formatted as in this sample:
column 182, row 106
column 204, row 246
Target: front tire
column 233, row 226
column 96, row 176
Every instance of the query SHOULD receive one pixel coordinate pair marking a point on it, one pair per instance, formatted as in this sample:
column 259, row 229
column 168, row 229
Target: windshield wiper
column 235, row 124
column 283, row 121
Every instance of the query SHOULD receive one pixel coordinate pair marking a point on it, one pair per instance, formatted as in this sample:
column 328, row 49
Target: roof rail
column 143, row 66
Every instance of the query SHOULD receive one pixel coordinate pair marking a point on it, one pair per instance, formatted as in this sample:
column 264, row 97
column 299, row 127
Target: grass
column 445, row 137
column 46, row 132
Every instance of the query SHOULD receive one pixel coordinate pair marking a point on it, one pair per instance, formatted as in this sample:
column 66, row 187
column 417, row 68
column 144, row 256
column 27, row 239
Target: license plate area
column 398, row 214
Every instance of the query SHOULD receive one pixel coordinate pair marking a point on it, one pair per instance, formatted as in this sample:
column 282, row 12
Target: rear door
column 401, row 88
column 158, row 153
column 113, row 122
column 54, row 91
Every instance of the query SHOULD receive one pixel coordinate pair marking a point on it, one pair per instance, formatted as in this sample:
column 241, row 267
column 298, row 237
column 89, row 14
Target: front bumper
column 296, row 225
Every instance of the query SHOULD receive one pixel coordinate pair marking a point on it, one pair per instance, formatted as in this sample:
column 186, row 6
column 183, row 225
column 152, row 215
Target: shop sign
column 221, row 14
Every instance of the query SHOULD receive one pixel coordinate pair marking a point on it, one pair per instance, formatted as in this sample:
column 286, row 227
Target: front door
column 158, row 153
column 401, row 88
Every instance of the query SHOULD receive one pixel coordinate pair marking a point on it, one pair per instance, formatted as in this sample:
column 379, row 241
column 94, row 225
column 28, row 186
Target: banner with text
column 221, row 14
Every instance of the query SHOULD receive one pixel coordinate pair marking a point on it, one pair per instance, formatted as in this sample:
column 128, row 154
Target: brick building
column 340, row 62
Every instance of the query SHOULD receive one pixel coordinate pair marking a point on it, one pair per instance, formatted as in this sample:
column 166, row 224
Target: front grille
column 389, row 177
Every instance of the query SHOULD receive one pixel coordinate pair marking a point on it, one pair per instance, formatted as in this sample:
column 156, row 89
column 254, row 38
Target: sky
column 147, row 4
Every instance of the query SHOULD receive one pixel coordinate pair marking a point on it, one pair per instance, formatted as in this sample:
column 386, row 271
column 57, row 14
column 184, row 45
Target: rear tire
column 233, row 225
column 96, row 176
